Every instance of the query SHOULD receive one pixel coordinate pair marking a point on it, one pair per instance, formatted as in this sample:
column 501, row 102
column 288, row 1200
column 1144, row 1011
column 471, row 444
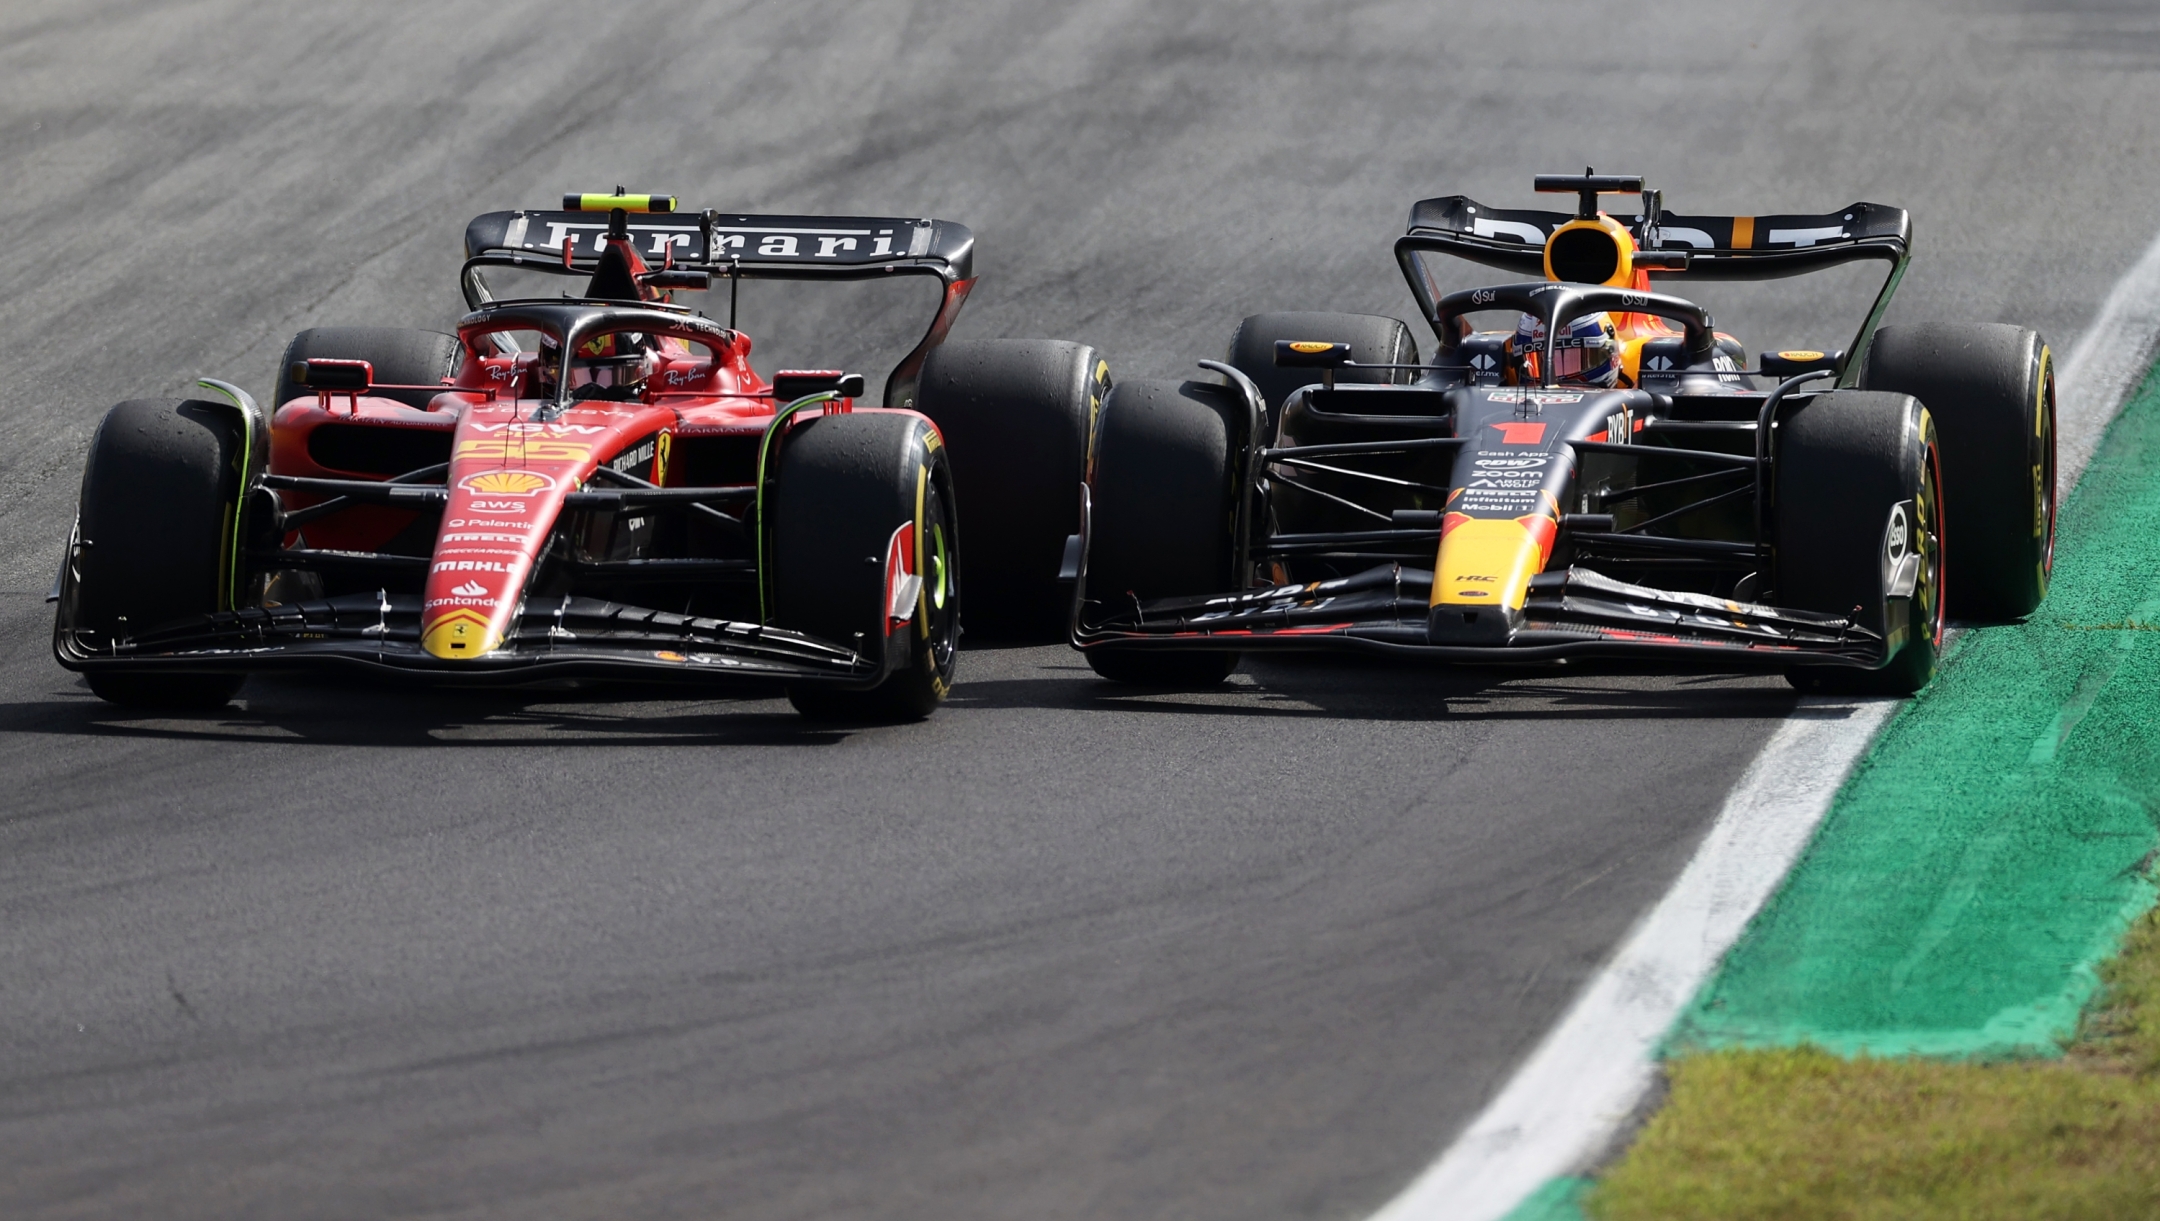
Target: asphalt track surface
column 1064, row 951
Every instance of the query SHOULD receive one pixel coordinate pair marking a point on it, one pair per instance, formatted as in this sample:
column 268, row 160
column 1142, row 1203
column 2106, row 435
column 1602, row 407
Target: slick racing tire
column 1373, row 340
column 1991, row 392
column 1161, row 517
column 853, row 490
column 1858, row 485
column 1015, row 414
column 402, row 357
column 160, row 496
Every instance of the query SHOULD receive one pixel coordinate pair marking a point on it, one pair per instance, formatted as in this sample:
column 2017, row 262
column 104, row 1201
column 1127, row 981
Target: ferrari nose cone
column 462, row 634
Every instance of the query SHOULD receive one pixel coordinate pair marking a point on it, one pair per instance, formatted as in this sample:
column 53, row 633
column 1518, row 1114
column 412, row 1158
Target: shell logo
column 507, row 483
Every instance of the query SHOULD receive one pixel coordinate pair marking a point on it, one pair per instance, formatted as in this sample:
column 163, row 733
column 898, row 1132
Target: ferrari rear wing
column 736, row 247
column 761, row 247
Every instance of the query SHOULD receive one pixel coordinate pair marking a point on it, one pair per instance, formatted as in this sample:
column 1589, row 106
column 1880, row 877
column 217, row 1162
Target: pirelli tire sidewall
column 1857, row 484
column 846, row 485
column 154, row 542
column 1161, row 517
column 1991, row 391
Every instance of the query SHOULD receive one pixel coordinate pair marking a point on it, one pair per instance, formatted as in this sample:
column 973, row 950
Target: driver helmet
column 1586, row 352
column 611, row 366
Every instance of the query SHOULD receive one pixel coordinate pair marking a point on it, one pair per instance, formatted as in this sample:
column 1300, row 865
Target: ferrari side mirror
column 324, row 375
column 791, row 384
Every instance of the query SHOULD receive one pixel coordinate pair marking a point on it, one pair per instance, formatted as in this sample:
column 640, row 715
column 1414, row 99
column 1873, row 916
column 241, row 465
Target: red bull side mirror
column 1782, row 365
column 1302, row 354
column 1312, row 354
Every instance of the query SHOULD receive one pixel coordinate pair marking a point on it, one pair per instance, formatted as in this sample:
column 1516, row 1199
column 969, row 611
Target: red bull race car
column 1603, row 474
column 591, row 485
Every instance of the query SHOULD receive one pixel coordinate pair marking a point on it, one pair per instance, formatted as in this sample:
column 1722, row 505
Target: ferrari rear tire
column 1991, row 391
column 1373, row 340
column 1015, row 414
column 160, row 503
column 1161, row 517
column 850, row 490
column 1858, row 487
column 401, row 356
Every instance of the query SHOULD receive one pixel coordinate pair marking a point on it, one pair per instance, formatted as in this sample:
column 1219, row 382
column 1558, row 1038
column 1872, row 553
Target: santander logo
column 470, row 589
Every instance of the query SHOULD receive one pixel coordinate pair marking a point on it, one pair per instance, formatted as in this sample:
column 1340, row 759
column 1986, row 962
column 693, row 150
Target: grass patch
column 1800, row 1133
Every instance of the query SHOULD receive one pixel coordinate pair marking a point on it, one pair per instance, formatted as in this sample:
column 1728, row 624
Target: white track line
column 2109, row 362
column 1559, row 1113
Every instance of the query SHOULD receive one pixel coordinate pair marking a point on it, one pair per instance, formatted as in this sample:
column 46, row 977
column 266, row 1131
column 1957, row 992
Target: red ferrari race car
column 1600, row 475
column 593, row 485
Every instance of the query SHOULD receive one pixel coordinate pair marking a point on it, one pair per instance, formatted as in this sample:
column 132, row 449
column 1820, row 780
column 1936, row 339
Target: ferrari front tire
column 160, row 503
column 851, row 489
column 1162, row 505
column 1015, row 414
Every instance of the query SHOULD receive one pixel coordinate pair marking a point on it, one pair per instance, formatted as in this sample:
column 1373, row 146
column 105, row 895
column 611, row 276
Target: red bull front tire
column 1162, row 501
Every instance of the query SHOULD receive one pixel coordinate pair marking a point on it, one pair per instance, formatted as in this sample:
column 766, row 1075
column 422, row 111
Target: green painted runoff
column 1996, row 841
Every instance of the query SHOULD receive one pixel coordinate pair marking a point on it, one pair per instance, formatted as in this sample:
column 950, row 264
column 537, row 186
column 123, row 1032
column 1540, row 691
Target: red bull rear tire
column 1991, row 391
column 1373, row 340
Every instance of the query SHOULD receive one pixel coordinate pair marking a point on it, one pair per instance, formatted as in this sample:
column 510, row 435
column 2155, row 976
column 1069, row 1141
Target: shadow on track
column 353, row 711
column 1359, row 688
column 341, row 711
